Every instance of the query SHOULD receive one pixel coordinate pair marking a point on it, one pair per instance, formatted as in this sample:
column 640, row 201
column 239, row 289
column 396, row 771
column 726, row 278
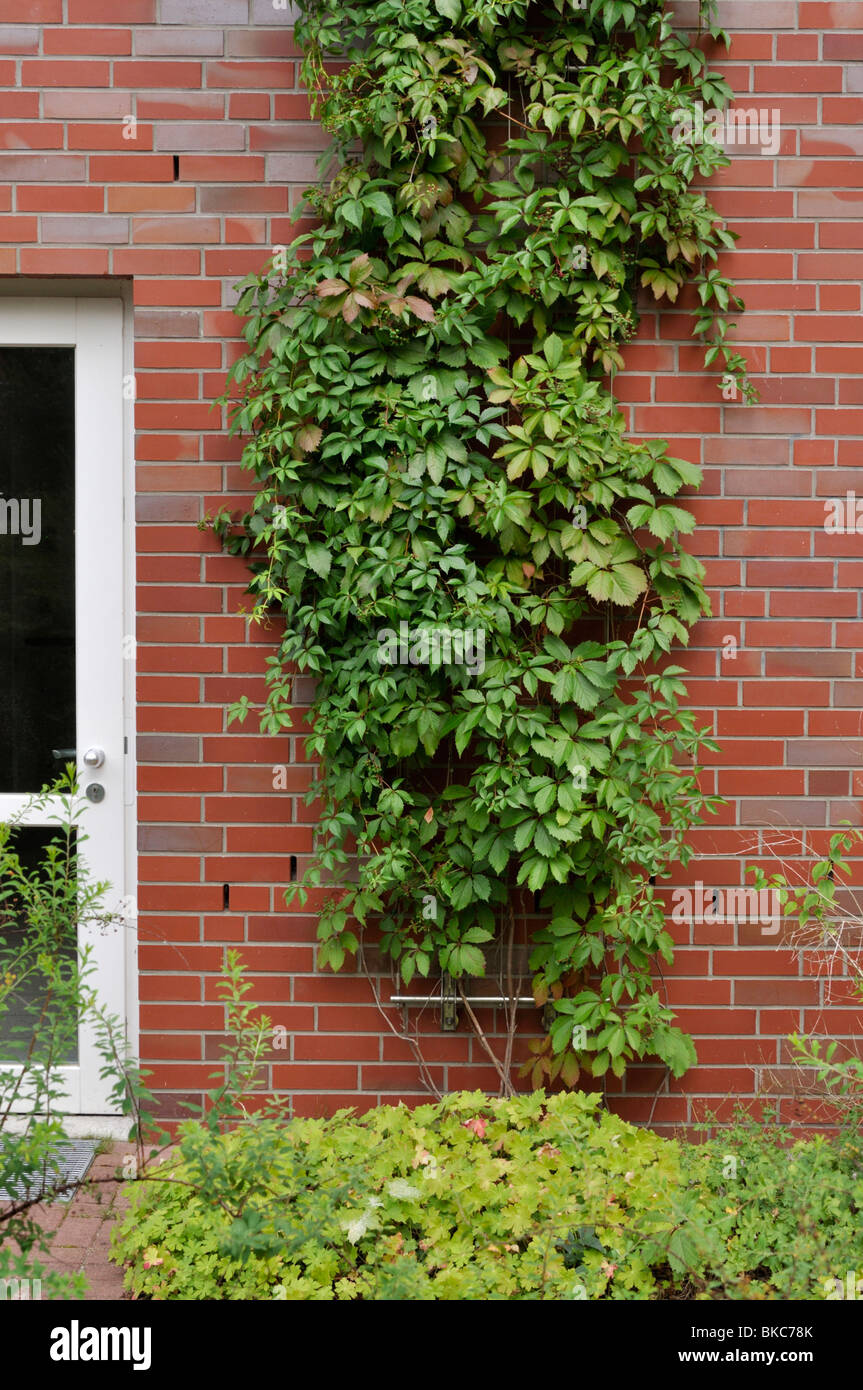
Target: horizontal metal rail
column 471, row 999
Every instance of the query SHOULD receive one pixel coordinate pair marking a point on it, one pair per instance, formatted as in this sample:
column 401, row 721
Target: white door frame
column 94, row 327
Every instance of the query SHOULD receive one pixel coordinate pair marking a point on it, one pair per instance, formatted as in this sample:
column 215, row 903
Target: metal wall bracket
column 449, row 1001
column 448, row 1004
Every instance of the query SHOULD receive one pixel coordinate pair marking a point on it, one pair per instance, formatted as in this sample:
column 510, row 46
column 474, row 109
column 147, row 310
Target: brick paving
column 83, row 1228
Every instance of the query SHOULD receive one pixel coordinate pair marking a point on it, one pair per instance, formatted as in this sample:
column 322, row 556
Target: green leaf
column 552, row 349
column 320, row 559
column 622, row 585
column 675, row 1048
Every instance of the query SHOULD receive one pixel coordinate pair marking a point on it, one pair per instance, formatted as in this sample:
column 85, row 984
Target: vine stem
column 506, row 1087
column 422, row 1064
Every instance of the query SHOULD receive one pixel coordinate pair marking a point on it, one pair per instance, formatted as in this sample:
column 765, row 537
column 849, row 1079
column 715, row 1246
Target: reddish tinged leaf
column 360, row 268
column 476, row 1126
column 309, row 437
column 420, row 307
column 570, row 1071
column 429, row 815
column 325, row 287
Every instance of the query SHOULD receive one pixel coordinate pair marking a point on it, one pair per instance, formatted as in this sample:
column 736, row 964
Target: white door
column 62, row 626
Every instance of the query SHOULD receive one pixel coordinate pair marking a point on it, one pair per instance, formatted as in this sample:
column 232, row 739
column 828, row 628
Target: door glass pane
column 33, row 1020
column 37, row 563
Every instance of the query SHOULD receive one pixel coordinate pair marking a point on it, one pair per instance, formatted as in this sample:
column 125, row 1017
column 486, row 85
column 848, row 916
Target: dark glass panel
column 30, row 1021
column 37, row 563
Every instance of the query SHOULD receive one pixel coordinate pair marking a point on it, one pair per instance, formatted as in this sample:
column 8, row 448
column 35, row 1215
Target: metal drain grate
column 68, row 1163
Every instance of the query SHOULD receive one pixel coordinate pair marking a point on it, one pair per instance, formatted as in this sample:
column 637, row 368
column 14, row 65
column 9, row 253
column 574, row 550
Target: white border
column 98, row 319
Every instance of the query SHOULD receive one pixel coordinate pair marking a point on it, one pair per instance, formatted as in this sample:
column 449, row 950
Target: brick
column 166, row 291
column 182, row 43
column 47, row 261
column 766, row 992
column 56, row 198
column 85, row 229
column 317, row 1076
column 62, row 72
column 18, row 229
column 118, row 136
column 88, row 42
column 167, row 446
column 292, row 168
column 245, row 229
column 132, row 168
column 43, row 168
column 82, row 105
column 105, row 11
column 176, row 229
column 817, row 78
column 19, row 104
column 237, row 263
column 184, row 136
column 249, row 106
column 831, row 14
column 178, row 354
column 170, row 106
column 204, row 12
column 245, row 75
column 222, row 168
column 177, row 75
column 137, row 260
column 36, row 12
column 286, row 136
column 16, row 38
column 167, row 386
column 223, row 198
column 151, row 198
column 267, row 43
column 782, row 812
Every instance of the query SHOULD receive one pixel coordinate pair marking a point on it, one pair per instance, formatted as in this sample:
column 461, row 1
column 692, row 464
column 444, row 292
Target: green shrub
column 788, row 1216
column 531, row 1198
column 534, row 1197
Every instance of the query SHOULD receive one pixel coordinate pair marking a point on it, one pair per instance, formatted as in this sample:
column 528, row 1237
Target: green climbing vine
column 482, row 573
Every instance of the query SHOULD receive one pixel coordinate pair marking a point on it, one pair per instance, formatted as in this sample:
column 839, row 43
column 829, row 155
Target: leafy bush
column 529, row 1198
column 789, row 1216
column 46, row 994
column 435, row 450
column 470, row 1198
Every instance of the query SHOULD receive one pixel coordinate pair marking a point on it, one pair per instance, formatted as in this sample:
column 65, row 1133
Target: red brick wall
column 214, row 88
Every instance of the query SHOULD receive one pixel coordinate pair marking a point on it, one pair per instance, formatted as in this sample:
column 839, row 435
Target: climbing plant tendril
column 436, row 450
